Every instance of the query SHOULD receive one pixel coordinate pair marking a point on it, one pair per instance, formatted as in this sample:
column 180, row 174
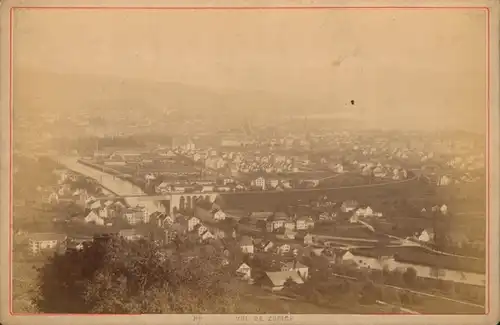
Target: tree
column 245, row 220
column 219, row 200
column 406, row 298
column 72, row 209
column 261, row 224
column 446, row 286
column 120, row 277
column 410, row 276
column 370, row 293
column 390, row 295
column 289, row 283
column 377, row 276
column 395, row 278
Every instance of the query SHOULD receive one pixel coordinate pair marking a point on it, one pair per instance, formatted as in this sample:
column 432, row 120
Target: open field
column 271, row 201
column 256, row 300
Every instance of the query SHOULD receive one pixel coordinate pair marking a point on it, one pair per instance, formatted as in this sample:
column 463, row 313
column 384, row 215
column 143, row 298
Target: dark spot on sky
column 337, row 62
column 353, row 102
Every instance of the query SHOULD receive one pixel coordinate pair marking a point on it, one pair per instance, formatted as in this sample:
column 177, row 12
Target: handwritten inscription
column 263, row 318
column 253, row 318
column 280, row 318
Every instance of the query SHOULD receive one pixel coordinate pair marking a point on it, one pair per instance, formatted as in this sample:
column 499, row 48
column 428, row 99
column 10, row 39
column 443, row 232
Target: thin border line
column 11, row 157
column 488, row 181
column 241, row 8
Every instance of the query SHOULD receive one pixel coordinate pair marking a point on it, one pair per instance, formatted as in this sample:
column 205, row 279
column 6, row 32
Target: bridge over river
column 134, row 195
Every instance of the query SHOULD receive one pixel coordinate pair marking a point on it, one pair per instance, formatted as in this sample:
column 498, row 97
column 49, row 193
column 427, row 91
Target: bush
column 395, row 278
column 370, row 294
column 118, row 277
column 410, row 277
column 391, row 296
column 406, row 299
column 315, row 297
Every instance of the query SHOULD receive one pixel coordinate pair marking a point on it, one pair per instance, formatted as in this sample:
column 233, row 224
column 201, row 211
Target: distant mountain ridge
column 109, row 95
column 107, row 99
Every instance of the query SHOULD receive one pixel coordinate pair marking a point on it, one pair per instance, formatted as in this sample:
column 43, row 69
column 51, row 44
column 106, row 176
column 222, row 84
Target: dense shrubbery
column 116, row 276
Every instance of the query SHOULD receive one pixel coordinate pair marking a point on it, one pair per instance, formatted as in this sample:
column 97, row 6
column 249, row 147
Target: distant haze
column 404, row 68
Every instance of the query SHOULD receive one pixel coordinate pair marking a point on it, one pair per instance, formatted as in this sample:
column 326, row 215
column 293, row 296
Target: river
column 113, row 184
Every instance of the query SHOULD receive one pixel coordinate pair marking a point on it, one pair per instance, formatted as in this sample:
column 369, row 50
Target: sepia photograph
column 261, row 162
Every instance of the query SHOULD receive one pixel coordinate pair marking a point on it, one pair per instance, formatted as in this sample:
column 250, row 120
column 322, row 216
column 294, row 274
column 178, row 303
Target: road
column 423, row 246
column 436, row 296
column 116, row 185
column 405, row 310
column 420, row 293
column 328, row 237
column 450, row 254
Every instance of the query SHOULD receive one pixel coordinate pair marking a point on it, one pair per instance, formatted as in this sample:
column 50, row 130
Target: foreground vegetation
column 113, row 275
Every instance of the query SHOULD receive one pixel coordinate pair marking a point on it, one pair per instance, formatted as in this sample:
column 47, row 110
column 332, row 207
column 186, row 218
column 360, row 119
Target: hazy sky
column 418, row 65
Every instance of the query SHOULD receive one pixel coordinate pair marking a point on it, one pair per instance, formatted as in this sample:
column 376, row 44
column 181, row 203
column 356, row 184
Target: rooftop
column 47, row 236
column 127, row 232
column 279, row 278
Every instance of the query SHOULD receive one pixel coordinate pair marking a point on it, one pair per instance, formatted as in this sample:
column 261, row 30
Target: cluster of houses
column 393, row 149
column 381, row 171
column 281, row 222
column 361, row 212
column 446, row 180
column 281, row 183
column 65, row 194
column 245, row 162
column 273, row 182
column 293, row 271
column 443, row 209
column 377, row 148
column 61, row 243
column 198, row 186
column 40, row 242
column 102, row 213
column 469, row 163
column 250, row 245
column 63, row 191
column 353, row 207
